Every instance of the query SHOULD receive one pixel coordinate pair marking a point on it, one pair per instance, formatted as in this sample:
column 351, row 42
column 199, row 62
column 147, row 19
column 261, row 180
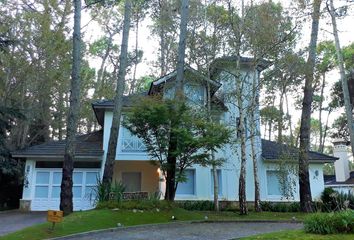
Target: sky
column 149, row 44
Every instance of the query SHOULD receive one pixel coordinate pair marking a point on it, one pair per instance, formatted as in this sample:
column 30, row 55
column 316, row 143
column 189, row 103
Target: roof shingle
column 274, row 151
column 88, row 145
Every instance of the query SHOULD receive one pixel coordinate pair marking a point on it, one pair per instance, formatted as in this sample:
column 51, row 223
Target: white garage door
column 47, row 189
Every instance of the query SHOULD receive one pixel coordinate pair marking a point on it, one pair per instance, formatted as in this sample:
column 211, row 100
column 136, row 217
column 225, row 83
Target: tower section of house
column 343, row 180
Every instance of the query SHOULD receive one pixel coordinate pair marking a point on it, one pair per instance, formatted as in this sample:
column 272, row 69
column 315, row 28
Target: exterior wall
column 149, row 173
column 316, row 182
column 28, row 179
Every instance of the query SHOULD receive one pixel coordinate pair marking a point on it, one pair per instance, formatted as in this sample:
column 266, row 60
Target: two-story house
column 44, row 162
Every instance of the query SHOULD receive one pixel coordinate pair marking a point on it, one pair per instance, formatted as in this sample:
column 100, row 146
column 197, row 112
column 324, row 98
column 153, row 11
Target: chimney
column 341, row 166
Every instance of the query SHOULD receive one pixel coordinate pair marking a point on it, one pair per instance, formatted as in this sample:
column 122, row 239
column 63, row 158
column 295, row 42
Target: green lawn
column 101, row 219
column 300, row 235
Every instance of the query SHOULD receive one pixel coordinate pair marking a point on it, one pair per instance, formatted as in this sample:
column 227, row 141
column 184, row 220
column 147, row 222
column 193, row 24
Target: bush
column 335, row 201
column 330, row 223
column 103, row 192
column 280, row 207
column 196, row 205
column 135, row 204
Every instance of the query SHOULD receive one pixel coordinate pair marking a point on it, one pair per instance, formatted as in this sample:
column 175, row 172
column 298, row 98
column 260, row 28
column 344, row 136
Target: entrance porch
column 138, row 176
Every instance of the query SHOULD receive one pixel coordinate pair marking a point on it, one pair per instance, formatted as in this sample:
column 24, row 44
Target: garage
column 47, row 189
column 43, row 173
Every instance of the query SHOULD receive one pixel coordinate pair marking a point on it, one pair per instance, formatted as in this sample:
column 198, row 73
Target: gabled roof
column 261, row 64
column 275, row 151
column 331, row 180
column 156, row 85
column 87, row 146
column 101, row 105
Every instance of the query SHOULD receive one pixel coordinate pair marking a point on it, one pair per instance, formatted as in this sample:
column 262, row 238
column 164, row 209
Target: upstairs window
column 194, row 93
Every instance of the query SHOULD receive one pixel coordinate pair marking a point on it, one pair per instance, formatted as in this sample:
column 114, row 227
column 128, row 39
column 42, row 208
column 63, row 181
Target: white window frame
column 272, row 196
column 182, row 195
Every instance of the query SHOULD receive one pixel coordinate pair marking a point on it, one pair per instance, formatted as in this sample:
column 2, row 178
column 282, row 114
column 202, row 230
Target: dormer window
column 194, row 93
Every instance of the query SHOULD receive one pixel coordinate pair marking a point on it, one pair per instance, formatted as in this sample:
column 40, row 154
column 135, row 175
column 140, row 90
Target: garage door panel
column 47, row 189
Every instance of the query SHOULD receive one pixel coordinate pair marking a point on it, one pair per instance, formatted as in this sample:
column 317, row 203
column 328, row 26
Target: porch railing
column 132, row 145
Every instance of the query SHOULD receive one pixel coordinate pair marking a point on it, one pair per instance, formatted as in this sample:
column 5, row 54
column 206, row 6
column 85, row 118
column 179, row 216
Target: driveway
column 11, row 221
column 189, row 231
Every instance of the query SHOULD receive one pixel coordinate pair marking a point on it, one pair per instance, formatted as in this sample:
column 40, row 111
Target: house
column 132, row 167
column 343, row 180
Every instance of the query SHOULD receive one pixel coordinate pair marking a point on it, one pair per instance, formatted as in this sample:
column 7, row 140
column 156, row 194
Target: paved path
column 11, row 221
column 190, row 231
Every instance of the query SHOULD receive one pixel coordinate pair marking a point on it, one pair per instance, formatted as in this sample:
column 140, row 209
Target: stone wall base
column 25, row 205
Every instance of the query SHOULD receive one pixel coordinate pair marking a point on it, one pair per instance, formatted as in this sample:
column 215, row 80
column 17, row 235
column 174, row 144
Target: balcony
column 132, row 145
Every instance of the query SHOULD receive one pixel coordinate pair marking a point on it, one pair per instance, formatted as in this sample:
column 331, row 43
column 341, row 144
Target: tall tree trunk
column 61, row 116
column 254, row 134
column 182, row 47
column 216, row 186
column 290, row 123
column 280, row 119
column 133, row 84
column 214, row 170
column 343, row 78
column 320, row 110
column 269, row 130
column 163, row 15
column 304, row 181
column 66, row 194
column 179, row 94
column 117, row 112
column 242, row 181
column 326, row 129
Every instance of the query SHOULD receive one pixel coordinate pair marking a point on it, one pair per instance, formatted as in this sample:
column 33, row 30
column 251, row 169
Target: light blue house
column 132, row 167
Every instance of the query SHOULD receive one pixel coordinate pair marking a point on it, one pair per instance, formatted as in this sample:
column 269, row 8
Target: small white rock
column 157, row 210
column 115, row 209
column 173, row 218
column 119, row 225
column 134, row 211
column 206, row 217
column 141, row 211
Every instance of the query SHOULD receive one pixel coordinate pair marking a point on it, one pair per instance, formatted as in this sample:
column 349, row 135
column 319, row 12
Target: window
column 90, row 184
column 57, row 176
column 48, row 183
column 273, row 183
column 42, row 185
column 132, row 181
column 187, row 187
column 218, row 172
column 194, row 93
column 169, row 92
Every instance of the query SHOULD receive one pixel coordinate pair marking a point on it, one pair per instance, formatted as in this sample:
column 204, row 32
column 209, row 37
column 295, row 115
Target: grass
column 299, row 234
column 104, row 218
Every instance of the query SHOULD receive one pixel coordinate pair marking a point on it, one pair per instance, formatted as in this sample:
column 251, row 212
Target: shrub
column 135, row 204
column 280, row 207
column 335, row 201
column 196, row 205
column 104, row 192
column 330, row 223
column 266, row 206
